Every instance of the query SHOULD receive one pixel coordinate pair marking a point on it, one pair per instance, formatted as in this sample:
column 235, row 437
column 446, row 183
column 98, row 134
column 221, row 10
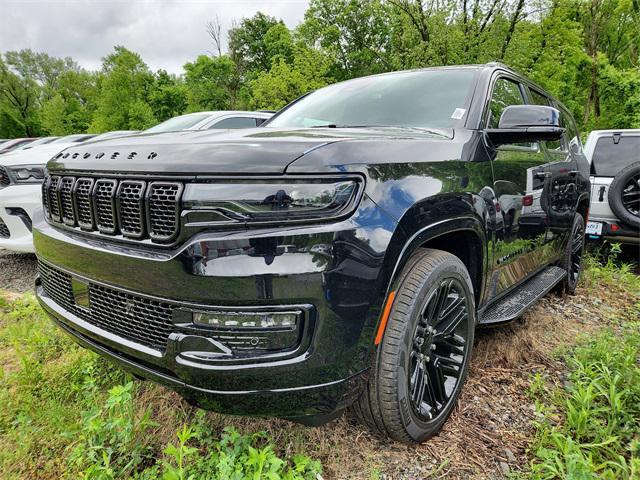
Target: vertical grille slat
column 45, row 196
column 163, row 205
column 134, row 209
column 105, row 206
column 54, row 201
column 67, row 211
column 131, row 208
column 82, row 199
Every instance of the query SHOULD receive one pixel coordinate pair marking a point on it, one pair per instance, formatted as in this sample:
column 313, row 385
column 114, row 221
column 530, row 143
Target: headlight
column 268, row 201
column 27, row 173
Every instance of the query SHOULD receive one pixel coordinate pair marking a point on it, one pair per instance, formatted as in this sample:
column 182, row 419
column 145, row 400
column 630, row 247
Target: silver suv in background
column 614, row 156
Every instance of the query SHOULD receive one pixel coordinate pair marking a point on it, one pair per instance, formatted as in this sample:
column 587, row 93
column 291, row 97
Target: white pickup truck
column 614, row 214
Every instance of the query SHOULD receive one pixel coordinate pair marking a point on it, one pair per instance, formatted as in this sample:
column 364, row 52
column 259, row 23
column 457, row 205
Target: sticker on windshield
column 458, row 113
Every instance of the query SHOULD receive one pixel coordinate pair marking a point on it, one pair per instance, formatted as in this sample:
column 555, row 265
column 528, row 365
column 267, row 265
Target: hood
column 247, row 151
column 38, row 155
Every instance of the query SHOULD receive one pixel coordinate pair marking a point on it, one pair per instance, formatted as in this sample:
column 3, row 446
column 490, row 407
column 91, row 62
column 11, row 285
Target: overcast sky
column 166, row 33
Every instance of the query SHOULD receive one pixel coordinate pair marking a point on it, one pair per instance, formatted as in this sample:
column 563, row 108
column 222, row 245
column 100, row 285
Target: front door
column 521, row 178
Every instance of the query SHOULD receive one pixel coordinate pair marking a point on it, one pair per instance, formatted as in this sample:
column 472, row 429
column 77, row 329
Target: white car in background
column 614, row 214
column 21, row 175
column 221, row 119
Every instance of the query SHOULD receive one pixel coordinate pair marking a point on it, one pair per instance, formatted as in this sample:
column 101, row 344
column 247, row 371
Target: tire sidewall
column 615, row 195
column 416, row 428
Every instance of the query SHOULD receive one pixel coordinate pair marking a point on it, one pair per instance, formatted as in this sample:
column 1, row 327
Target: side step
column 522, row 297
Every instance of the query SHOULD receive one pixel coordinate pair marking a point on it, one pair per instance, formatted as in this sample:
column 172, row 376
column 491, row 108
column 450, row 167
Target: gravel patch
column 17, row 271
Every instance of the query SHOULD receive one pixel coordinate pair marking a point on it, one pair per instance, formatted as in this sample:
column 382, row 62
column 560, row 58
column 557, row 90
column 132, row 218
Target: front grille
column 141, row 320
column 4, row 230
column 135, row 209
column 4, row 178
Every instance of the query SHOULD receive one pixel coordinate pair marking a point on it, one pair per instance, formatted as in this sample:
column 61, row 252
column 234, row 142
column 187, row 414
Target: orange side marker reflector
column 385, row 317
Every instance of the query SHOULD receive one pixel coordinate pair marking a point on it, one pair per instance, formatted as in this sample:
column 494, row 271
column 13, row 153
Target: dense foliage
column 583, row 51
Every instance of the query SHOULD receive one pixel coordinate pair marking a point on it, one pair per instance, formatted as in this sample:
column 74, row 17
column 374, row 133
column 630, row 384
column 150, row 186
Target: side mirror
column 526, row 124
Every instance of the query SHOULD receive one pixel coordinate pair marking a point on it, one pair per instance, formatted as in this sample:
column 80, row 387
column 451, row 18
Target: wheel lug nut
column 433, row 346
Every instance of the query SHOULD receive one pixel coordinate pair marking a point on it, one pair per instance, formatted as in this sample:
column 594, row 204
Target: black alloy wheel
column 423, row 358
column 577, row 247
column 439, row 343
column 571, row 260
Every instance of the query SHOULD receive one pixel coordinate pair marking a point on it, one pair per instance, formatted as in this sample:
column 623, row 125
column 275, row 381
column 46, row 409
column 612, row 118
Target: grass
column 67, row 413
column 590, row 425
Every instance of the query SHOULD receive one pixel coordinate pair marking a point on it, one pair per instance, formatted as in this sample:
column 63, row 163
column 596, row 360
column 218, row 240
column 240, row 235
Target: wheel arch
column 463, row 237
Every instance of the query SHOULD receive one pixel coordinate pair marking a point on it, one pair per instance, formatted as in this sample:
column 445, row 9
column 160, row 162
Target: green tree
column 212, row 83
column 354, row 33
column 125, row 83
column 71, row 108
column 285, row 82
column 247, row 46
column 168, row 97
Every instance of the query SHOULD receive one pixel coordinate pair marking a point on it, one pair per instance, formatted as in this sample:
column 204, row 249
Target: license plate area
column 594, row 229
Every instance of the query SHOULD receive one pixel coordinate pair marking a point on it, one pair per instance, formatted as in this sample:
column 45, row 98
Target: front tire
column 424, row 356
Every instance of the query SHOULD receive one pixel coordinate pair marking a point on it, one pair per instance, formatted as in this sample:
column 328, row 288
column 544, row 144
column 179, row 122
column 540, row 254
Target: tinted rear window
column 610, row 157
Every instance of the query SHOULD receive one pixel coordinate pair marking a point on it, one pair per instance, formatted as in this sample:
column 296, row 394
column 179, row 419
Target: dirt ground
column 489, row 432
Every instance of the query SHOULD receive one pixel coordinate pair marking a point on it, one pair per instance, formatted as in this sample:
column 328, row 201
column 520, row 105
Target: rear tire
column 571, row 260
column 423, row 359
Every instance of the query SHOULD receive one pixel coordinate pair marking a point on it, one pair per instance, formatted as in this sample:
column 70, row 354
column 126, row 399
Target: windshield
column 610, row 157
column 423, row 99
column 183, row 122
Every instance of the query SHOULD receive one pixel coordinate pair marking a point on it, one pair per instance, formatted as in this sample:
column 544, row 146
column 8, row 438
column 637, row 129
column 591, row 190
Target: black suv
column 341, row 255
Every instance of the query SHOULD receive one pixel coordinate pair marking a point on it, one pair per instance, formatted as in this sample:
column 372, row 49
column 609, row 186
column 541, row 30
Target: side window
column 236, row 122
column 505, row 93
column 260, row 121
column 539, row 99
column 570, row 134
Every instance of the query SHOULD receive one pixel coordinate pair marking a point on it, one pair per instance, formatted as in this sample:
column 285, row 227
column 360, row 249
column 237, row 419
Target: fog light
column 248, row 320
column 252, row 332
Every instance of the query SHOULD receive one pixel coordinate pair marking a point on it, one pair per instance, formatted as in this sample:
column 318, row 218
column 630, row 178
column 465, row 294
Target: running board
column 522, row 297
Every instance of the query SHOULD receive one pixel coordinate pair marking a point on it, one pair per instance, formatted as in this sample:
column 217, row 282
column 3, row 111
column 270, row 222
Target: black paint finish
column 505, row 211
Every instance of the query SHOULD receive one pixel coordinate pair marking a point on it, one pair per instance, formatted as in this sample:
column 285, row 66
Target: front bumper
column 335, row 273
column 13, row 198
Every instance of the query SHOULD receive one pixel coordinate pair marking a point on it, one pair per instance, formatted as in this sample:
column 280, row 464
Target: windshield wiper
column 337, row 125
column 399, row 127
